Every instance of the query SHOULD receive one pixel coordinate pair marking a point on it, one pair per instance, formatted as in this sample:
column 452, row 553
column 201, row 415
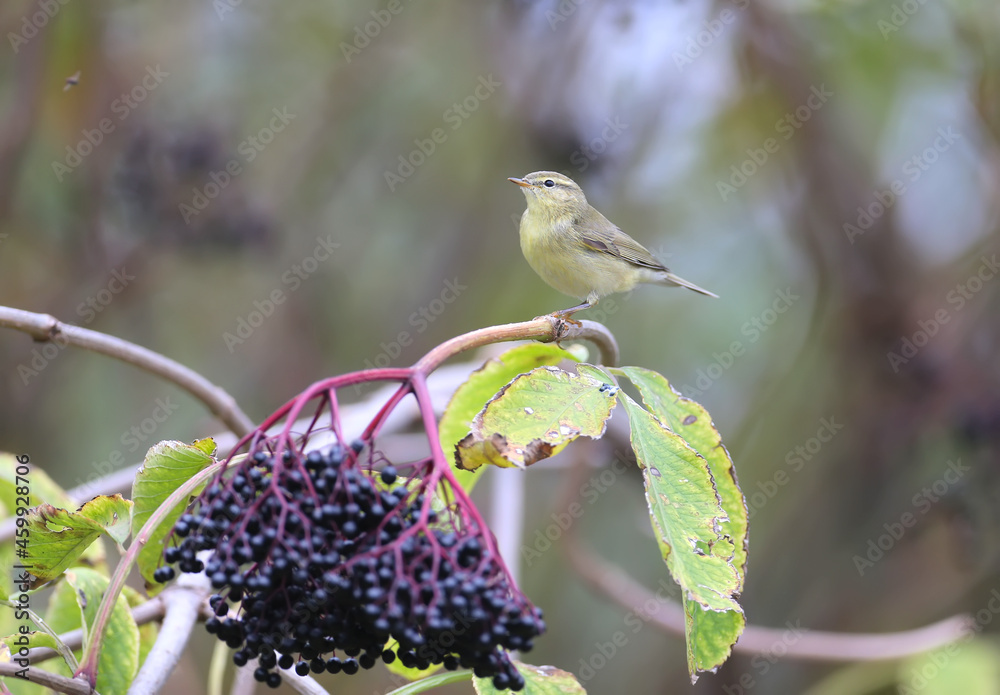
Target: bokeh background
column 829, row 168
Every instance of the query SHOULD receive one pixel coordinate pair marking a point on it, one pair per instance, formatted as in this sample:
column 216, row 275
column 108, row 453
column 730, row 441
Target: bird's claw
column 565, row 318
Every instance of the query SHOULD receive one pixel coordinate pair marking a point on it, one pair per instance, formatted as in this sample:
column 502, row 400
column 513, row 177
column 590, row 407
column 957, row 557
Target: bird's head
column 550, row 190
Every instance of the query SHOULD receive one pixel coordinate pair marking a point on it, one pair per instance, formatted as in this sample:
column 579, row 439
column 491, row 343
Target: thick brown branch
column 61, row 684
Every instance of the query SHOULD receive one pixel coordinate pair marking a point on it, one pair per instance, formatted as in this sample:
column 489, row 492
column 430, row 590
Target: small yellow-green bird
column 577, row 250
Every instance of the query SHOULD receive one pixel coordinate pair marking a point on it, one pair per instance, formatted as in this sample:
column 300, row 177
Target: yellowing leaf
column 686, row 512
column 710, row 634
column 59, row 537
column 470, row 398
column 535, row 416
column 691, row 421
column 538, row 680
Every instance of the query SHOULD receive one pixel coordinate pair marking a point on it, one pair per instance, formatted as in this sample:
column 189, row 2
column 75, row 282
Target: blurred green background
column 169, row 170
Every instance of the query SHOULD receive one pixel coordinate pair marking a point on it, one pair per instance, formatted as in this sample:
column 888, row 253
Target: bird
column 577, row 250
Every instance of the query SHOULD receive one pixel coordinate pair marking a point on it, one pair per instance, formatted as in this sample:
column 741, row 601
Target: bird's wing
column 617, row 243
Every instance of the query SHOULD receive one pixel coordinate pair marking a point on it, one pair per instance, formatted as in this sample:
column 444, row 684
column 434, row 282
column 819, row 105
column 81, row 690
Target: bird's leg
column 565, row 314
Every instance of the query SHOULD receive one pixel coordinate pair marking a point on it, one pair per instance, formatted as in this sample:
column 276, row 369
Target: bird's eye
column 549, row 183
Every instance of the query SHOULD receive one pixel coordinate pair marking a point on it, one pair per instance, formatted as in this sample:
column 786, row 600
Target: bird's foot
column 564, row 318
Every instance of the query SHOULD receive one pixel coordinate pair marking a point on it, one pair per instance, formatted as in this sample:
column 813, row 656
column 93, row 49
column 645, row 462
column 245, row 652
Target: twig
column 182, row 606
column 354, row 417
column 43, row 327
column 53, row 681
column 143, row 613
column 544, row 328
column 808, row 644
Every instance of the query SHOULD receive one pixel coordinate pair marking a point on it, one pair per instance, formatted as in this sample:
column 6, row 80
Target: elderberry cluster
column 327, row 562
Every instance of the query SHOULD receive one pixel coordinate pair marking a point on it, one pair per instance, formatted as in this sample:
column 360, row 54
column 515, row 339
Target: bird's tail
column 671, row 279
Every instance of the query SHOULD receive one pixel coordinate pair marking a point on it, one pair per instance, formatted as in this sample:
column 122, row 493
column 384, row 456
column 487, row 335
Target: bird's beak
column 520, row 182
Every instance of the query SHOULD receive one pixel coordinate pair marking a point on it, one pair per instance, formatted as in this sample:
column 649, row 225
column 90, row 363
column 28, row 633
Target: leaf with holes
column 482, row 385
column 535, row 416
column 59, row 537
column 686, row 512
column 710, row 634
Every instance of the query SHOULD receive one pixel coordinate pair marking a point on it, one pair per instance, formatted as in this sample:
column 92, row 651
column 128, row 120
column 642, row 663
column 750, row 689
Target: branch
column 43, row 327
column 144, row 613
column 545, row 328
column 354, row 418
column 61, row 684
column 813, row 645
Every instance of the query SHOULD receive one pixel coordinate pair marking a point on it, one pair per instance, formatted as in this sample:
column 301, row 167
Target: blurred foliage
column 846, row 366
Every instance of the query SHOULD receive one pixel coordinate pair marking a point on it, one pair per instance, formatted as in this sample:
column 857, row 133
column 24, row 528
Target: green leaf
column 168, row 465
column 32, row 640
column 690, row 420
column 118, row 661
column 40, row 486
column 970, row 667
column 538, row 680
column 686, row 512
column 147, row 632
column 535, row 416
column 481, row 385
column 410, row 674
column 710, row 634
column 59, row 537
column 113, row 514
